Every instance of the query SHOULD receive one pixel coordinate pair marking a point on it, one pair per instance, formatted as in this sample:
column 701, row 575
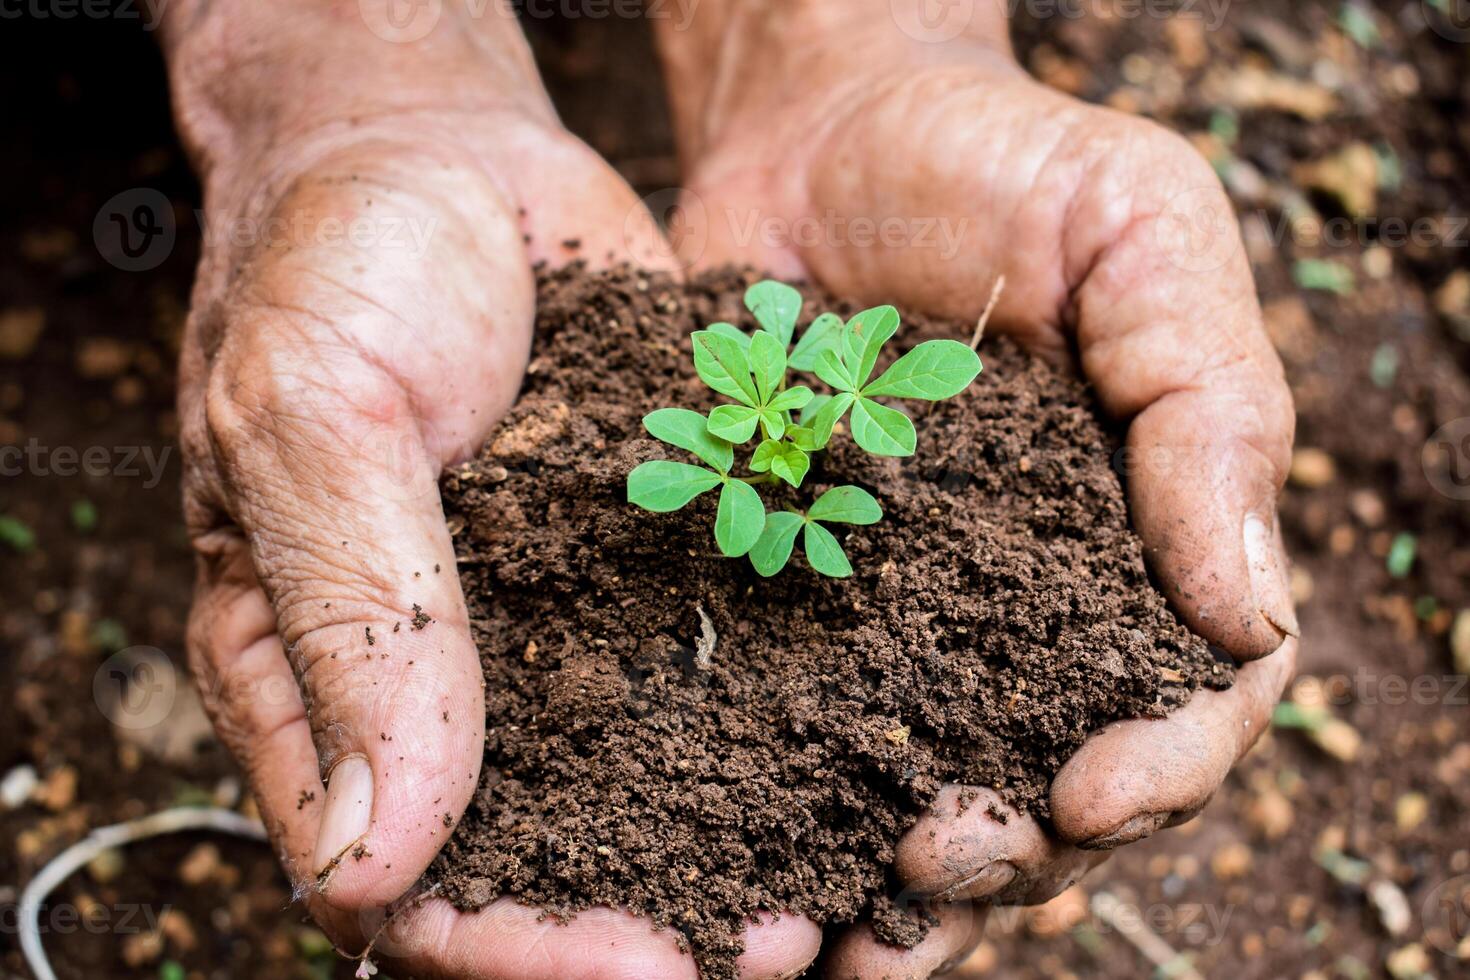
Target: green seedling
column 793, row 423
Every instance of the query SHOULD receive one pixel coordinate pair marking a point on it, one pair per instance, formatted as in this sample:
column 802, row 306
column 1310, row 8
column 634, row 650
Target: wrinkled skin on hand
column 327, row 379
column 1121, row 256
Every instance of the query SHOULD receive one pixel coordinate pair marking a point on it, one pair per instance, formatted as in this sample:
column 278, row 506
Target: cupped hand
column 364, row 322
column 826, row 146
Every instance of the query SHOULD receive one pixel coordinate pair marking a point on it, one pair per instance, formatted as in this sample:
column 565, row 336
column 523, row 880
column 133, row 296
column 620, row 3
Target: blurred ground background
column 1340, row 848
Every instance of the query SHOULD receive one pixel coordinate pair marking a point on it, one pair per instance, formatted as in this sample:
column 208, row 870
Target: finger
column 253, row 700
column 779, row 947
column 508, row 941
column 302, row 421
column 1171, row 334
column 858, row 954
column 362, row 579
column 1118, row 229
column 1135, row 777
column 972, row 845
column 583, row 209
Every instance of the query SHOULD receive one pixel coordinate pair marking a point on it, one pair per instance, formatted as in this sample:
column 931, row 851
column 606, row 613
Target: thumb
column 351, row 549
column 1170, row 332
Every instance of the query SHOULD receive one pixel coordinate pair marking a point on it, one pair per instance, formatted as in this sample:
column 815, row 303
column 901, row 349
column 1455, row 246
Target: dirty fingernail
column 1132, row 830
column 986, row 881
column 347, row 812
column 1268, row 573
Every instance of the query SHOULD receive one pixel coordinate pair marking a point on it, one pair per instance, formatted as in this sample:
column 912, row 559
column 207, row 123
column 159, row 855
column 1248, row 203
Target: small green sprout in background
column 793, row 423
column 1401, row 555
column 17, row 534
column 1326, row 275
column 84, row 516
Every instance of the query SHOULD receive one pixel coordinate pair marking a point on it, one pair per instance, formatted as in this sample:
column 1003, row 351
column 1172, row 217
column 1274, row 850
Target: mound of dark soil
column 997, row 615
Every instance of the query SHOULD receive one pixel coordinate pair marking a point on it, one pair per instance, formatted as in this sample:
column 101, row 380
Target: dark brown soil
column 91, row 113
column 999, row 613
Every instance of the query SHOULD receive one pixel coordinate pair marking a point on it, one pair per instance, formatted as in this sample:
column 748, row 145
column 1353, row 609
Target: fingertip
column 778, row 947
column 1139, row 776
column 858, row 954
column 958, row 849
column 1203, row 501
column 405, row 763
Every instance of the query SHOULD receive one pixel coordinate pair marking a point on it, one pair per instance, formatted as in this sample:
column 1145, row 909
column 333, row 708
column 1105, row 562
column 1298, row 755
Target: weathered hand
column 805, row 122
column 361, row 318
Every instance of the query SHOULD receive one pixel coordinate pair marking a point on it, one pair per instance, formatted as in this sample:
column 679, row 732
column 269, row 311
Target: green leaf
column 776, row 307
column 812, row 408
column 803, row 438
column 1401, row 555
column 760, row 461
column 846, row 505
column 774, row 423
column 84, row 516
column 663, row 486
column 723, row 366
column 16, row 533
column 933, row 370
column 791, row 465
column 831, row 370
column 1324, row 274
column 733, row 332
column 768, row 364
column 829, row 415
column 881, row 430
column 740, row 519
column 824, row 333
column 824, row 553
column 791, row 399
column 735, row 423
column 773, row 549
column 689, row 430
column 865, row 335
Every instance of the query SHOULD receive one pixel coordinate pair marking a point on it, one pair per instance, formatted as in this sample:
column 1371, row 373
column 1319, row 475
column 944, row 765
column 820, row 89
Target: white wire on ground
column 104, row 839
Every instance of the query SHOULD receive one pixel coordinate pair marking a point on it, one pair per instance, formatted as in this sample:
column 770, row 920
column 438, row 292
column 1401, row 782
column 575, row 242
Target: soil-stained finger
column 1135, row 777
column 860, row 955
column 972, row 845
